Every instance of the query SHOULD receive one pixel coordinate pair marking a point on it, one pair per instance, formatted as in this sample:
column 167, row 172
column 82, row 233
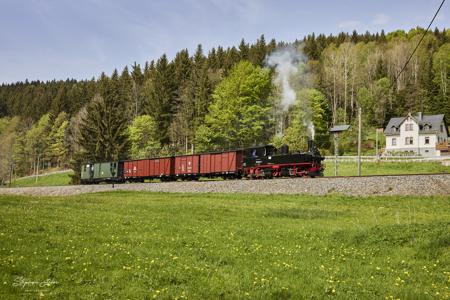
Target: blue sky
column 59, row 39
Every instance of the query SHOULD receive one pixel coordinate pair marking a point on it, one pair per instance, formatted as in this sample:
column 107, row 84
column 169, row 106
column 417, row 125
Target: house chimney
column 419, row 115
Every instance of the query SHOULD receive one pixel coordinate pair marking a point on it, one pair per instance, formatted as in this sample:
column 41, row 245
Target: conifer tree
column 243, row 50
column 126, row 92
column 159, row 93
column 138, row 80
column 103, row 128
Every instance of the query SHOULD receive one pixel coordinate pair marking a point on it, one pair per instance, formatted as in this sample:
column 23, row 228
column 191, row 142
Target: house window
column 408, row 127
column 394, row 142
column 427, row 140
column 409, row 141
column 442, row 128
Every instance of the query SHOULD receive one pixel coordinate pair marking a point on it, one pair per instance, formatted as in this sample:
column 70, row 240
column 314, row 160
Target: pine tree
column 243, row 50
column 159, row 93
column 257, row 54
column 103, row 128
column 220, row 54
column 138, row 81
column 194, row 102
column 126, row 92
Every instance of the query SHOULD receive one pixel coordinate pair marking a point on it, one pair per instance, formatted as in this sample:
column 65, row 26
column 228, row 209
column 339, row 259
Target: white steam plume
column 285, row 61
column 291, row 75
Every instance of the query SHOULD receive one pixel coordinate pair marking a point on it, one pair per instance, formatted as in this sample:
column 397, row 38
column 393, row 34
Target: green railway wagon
column 102, row 172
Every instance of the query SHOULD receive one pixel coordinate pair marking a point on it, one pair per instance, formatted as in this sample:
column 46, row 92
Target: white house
column 416, row 134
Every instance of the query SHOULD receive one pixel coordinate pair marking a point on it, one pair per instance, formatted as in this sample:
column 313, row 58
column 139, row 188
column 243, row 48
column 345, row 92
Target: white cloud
column 381, row 19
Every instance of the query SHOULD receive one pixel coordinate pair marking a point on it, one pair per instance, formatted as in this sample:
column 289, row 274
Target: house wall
column 418, row 146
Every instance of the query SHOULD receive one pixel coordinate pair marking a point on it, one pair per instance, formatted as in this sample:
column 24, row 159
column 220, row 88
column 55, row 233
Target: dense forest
column 226, row 98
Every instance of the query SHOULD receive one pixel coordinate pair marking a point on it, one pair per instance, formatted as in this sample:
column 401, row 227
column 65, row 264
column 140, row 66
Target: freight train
column 253, row 163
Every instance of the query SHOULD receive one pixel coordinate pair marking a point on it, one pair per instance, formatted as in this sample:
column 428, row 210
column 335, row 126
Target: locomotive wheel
column 267, row 173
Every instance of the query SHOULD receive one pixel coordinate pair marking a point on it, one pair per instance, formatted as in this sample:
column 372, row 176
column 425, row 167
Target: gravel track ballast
column 358, row 186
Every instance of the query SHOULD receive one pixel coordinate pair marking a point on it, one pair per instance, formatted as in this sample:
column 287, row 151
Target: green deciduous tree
column 239, row 112
column 441, row 68
column 144, row 137
column 311, row 106
column 57, row 140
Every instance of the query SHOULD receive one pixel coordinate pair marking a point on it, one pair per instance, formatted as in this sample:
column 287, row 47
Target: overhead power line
column 418, row 44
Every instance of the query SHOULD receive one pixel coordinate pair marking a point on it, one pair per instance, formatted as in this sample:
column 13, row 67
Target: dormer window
column 442, row 128
column 408, row 127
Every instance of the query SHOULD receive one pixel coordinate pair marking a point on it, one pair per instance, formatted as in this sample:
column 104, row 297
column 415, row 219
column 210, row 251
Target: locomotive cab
column 261, row 151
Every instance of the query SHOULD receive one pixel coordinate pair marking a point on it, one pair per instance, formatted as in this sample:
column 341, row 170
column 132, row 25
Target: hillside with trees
column 221, row 99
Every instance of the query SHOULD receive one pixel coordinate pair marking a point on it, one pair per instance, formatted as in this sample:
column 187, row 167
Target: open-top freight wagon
column 139, row 170
column 252, row 163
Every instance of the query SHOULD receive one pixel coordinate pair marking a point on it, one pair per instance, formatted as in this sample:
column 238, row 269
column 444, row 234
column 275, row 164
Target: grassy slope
column 45, row 180
column 142, row 245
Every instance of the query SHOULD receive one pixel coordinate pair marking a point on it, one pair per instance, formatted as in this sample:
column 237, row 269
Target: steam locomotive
column 252, row 163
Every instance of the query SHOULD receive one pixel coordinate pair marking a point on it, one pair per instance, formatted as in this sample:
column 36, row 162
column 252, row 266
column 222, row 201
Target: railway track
column 410, row 184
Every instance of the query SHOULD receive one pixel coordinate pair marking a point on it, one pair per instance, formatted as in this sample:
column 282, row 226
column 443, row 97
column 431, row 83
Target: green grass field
column 44, row 180
column 385, row 168
column 139, row 245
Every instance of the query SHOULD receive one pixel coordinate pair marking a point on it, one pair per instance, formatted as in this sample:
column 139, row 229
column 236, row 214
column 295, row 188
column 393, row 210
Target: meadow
column 349, row 168
column 43, row 180
column 137, row 245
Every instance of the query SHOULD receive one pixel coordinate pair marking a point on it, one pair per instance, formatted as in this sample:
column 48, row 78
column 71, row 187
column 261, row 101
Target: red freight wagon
column 225, row 163
column 187, row 165
column 149, row 168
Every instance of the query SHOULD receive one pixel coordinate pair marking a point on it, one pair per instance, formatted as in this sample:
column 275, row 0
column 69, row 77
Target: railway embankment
column 401, row 185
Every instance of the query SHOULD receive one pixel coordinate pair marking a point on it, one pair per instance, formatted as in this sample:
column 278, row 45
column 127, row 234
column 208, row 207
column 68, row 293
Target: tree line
column 221, row 99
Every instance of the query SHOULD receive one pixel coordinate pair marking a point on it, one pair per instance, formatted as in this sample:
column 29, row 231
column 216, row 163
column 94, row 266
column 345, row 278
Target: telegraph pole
column 376, row 144
column 335, row 154
column 10, row 173
column 359, row 141
column 37, row 167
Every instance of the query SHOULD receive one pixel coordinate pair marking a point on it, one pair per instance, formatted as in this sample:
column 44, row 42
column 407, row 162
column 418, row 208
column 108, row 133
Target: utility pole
column 376, row 144
column 359, row 141
column 37, row 168
column 10, row 173
column 335, row 154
